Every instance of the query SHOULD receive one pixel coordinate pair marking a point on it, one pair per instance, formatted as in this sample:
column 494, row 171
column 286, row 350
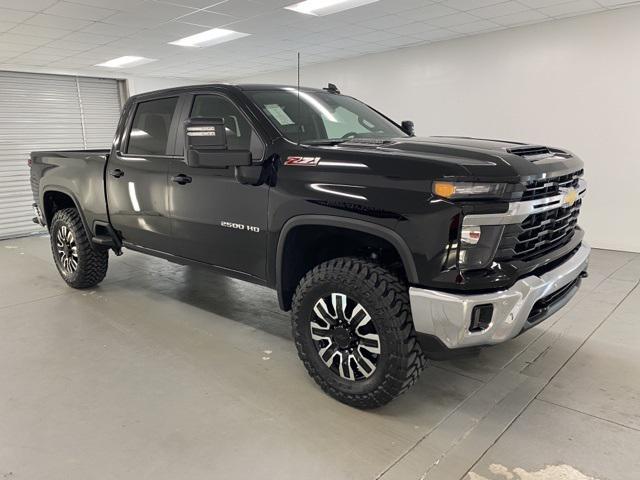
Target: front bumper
column 447, row 316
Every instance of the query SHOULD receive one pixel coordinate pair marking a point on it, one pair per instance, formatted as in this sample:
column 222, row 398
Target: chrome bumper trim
column 519, row 211
column 447, row 316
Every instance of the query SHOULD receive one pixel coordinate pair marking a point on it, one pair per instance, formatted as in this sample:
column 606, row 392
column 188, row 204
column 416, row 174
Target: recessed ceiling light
column 209, row 37
column 326, row 7
column 126, row 61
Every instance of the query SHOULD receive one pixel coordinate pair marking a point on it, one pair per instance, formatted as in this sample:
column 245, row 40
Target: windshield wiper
column 370, row 140
column 328, row 141
column 362, row 140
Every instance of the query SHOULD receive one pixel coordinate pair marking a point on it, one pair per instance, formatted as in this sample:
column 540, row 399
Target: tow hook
column 584, row 274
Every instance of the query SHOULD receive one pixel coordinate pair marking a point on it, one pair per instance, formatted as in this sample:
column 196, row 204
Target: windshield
column 322, row 117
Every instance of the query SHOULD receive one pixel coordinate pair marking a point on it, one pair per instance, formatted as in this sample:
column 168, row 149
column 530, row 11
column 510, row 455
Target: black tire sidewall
column 361, row 291
column 59, row 222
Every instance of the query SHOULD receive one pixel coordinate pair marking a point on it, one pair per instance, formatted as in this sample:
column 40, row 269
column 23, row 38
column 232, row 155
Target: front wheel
column 79, row 263
column 354, row 332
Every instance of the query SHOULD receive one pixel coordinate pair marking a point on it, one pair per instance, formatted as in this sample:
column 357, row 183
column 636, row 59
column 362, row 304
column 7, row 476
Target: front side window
column 240, row 134
column 150, row 129
column 322, row 117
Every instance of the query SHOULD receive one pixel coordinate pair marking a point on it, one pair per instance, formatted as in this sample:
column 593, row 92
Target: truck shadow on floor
column 257, row 307
column 243, row 302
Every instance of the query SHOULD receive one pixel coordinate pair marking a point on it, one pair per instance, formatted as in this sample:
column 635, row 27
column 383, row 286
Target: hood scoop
column 532, row 153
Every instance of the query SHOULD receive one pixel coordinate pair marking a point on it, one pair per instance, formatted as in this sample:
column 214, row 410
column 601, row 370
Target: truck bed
column 77, row 173
column 69, row 153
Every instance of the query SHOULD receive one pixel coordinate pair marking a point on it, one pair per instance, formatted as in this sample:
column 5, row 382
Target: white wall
column 135, row 84
column 138, row 85
column 573, row 83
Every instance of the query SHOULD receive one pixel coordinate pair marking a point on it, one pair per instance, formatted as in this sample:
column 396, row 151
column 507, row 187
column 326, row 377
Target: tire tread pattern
column 404, row 370
column 93, row 261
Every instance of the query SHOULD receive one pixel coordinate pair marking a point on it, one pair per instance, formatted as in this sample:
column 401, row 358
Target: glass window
column 322, row 117
column 150, row 130
column 238, row 129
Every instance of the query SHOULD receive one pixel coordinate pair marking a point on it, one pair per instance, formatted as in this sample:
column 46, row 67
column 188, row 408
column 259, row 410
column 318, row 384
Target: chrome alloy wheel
column 345, row 337
column 67, row 249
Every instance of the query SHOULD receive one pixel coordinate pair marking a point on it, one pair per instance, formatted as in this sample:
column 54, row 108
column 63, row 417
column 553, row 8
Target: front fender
column 370, row 228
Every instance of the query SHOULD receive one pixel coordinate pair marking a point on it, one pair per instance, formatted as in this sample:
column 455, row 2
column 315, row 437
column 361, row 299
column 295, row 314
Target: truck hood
column 478, row 144
column 463, row 157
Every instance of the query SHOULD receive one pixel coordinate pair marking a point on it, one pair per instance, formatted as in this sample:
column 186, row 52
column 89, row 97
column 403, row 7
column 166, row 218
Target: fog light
column 478, row 245
column 470, row 235
column 481, row 317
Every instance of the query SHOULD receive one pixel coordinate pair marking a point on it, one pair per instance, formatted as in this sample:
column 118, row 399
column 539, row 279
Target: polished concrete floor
column 168, row 372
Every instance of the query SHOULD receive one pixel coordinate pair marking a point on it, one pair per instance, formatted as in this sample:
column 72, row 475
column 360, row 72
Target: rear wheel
column 79, row 263
column 354, row 332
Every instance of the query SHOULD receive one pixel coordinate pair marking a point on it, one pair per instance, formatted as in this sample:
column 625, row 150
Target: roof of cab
column 249, row 87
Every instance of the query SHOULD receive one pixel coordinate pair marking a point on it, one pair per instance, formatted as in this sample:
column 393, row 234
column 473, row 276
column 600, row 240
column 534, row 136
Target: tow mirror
column 407, row 127
column 206, row 145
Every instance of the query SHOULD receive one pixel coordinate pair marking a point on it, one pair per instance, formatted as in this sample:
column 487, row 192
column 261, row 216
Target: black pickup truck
column 388, row 249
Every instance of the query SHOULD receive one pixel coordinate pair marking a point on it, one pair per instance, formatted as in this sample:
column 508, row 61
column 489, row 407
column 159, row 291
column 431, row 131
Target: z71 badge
column 302, row 161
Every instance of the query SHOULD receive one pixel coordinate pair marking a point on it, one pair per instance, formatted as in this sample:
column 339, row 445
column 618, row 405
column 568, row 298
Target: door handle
column 181, row 179
column 117, row 173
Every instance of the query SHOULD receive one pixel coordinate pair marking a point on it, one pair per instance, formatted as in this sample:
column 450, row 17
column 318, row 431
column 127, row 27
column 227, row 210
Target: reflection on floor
column 166, row 371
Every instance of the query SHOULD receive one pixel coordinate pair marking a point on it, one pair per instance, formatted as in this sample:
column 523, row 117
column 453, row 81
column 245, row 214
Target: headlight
column 478, row 245
column 471, row 190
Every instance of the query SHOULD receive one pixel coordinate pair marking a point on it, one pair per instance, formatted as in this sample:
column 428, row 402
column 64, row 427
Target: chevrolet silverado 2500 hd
column 388, row 249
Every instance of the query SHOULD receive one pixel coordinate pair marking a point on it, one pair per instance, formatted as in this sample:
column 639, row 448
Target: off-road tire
column 92, row 262
column 386, row 299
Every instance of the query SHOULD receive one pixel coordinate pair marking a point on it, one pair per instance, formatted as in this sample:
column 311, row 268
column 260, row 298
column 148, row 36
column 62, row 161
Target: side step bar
column 104, row 241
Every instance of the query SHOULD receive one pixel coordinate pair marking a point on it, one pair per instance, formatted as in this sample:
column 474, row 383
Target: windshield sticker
column 279, row 114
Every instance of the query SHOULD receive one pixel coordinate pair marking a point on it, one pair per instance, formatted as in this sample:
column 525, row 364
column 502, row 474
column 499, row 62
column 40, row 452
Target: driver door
column 215, row 219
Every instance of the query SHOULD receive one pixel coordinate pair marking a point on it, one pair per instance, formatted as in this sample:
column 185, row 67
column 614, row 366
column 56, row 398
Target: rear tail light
column 29, row 161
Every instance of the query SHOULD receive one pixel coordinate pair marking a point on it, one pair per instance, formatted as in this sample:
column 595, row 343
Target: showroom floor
column 167, row 372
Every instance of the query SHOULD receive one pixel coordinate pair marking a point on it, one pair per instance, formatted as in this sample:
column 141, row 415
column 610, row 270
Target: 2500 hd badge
column 239, row 226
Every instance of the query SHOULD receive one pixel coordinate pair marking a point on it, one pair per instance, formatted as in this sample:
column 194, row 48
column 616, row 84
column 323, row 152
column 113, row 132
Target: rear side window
column 150, row 129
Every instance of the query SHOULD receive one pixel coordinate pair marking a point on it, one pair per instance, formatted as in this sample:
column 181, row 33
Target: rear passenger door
column 215, row 219
column 136, row 177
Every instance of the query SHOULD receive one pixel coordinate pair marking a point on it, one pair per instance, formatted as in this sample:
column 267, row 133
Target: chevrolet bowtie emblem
column 570, row 196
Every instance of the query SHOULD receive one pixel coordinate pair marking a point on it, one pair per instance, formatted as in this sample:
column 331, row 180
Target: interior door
column 215, row 219
column 136, row 177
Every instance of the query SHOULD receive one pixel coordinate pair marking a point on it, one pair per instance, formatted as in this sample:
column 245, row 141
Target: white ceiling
column 74, row 35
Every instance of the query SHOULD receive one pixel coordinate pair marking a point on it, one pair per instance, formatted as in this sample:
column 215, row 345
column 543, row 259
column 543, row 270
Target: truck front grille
column 539, row 234
column 550, row 187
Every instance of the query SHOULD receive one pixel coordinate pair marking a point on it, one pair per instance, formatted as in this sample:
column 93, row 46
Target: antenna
column 299, row 119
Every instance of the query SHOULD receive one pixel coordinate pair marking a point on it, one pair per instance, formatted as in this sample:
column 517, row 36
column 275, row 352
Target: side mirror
column 407, row 127
column 206, row 145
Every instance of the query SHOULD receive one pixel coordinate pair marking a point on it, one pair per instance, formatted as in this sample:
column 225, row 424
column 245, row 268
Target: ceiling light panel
column 209, row 37
column 326, row 7
column 126, row 61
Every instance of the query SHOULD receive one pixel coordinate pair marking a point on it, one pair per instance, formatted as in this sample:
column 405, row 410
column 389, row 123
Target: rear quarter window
column 149, row 133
